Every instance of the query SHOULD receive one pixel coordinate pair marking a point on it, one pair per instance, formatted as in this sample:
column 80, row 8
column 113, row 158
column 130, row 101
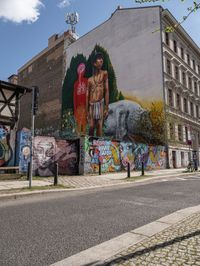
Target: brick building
column 45, row 70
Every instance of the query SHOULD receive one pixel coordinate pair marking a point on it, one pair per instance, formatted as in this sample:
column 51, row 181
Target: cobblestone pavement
column 87, row 181
column 177, row 245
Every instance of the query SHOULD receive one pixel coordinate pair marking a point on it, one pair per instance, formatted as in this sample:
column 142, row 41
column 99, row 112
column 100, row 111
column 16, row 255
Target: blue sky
column 26, row 25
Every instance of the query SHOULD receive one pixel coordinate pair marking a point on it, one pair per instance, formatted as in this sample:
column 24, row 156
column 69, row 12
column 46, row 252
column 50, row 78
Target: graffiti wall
column 67, row 157
column 109, row 88
column 23, row 150
column 7, row 146
column 115, row 156
column 104, row 151
column 48, row 151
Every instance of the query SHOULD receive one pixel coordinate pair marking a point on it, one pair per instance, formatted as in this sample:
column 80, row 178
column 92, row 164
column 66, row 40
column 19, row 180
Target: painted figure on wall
column 44, row 153
column 5, row 149
column 80, row 87
column 97, row 98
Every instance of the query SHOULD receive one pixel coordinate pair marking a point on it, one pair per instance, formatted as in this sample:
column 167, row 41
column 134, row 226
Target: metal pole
column 99, row 167
column 28, row 171
column 128, row 170
column 142, row 168
column 32, row 138
column 56, row 174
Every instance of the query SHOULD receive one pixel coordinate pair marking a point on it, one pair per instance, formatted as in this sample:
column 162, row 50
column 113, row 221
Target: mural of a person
column 80, row 87
column 44, row 152
column 97, row 98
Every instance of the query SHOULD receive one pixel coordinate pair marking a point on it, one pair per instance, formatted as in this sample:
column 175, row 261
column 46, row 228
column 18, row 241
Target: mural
column 48, row 151
column 23, row 150
column 104, row 151
column 44, row 156
column 115, row 156
column 67, row 157
column 93, row 105
column 7, row 146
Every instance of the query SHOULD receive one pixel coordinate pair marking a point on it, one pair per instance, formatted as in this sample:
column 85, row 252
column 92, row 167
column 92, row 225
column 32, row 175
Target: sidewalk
column 171, row 240
column 84, row 182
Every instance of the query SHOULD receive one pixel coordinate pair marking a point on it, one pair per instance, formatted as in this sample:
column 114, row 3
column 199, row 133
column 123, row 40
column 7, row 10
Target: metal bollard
column 142, row 168
column 99, row 168
column 128, row 170
column 56, row 174
column 28, row 170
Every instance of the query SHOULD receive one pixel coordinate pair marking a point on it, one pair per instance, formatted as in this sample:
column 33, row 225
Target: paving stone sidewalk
column 178, row 245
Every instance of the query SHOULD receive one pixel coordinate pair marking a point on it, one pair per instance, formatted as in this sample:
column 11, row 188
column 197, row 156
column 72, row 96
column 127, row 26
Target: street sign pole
column 34, row 108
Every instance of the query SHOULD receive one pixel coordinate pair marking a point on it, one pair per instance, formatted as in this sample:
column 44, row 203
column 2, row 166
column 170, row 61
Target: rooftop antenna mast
column 72, row 19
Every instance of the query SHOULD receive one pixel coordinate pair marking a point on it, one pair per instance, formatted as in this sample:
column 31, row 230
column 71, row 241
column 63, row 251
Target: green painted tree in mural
column 114, row 94
column 68, row 84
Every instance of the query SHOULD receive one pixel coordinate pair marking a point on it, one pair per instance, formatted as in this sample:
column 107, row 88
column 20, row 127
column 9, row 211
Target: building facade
column 181, row 60
column 45, row 70
column 153, row 77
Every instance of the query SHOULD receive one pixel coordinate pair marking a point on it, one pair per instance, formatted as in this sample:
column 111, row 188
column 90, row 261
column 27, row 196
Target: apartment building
column 181, row 60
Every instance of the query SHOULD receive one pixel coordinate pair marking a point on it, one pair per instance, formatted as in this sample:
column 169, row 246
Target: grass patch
column 135, row 178
column 34, row 188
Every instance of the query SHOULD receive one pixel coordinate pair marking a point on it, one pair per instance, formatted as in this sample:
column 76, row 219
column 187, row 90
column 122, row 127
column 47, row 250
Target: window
column 199, row 69
column 175, row 46
column 180, row 133
column 191, row 109
column 183, row 78
column 195, row 88
column 170, row 98
column 168, row 66
column 194, row 65
column 176, row 73
column 178, row 102
column 189, row 83
column 197, row 111
column 167, row 38
column 198, row 135
column 185, row 105
column 171, row 131
column 186, row 134
column 182, row 53
column 188, row 59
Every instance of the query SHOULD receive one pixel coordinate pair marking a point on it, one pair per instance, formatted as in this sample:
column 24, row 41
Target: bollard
column 28, row 170
column 142, row 168
column 56, row 174
column 128, row 170
column 99, row 168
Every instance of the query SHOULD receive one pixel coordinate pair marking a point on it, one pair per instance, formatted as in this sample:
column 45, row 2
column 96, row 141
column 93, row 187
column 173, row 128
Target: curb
column 100, row 254
column 41, row 192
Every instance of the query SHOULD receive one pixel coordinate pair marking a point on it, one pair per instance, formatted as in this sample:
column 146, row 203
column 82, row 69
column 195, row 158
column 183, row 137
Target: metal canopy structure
column 10, row 95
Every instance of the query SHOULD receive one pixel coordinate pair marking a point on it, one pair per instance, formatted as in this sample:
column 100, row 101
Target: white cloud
column 20, row 10
column 64, row 3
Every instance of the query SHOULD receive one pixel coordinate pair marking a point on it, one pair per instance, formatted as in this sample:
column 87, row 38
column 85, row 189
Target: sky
column 26, row 25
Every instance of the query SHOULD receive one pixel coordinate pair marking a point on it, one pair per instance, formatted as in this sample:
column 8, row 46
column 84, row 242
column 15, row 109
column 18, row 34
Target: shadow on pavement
column 149, row 249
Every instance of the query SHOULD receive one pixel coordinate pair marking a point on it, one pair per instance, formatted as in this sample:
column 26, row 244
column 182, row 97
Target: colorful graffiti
column 105, row 152
column 48, row 151
column 7, row 146
column 44, row 149
column 126, row 155
column 67, row 156
column 115, row 156
column 23, row 150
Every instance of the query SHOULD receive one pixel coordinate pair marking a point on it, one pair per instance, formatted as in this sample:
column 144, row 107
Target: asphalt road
column 44, row 229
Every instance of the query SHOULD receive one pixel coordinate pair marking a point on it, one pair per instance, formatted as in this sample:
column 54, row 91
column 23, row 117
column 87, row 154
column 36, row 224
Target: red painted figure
column 80, row 86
